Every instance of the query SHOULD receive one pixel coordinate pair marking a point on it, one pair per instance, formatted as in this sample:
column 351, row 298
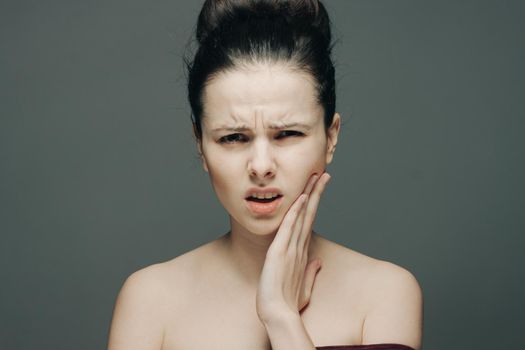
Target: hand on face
column 287, row 276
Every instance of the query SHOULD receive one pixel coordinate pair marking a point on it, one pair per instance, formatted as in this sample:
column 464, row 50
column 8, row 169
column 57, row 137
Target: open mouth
column 263, row 200
column 266, row 204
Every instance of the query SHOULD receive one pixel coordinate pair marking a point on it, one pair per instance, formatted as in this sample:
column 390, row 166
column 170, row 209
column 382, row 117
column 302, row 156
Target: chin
column 260, row 227
column 260, row 231
column 263, row 227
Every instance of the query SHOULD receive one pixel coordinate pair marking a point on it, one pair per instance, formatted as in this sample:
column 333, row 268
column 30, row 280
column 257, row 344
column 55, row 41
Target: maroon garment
column 384, row 346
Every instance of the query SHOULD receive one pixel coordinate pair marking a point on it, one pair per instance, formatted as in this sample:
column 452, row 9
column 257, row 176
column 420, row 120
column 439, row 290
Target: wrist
column 286, row 330
column 280, row 319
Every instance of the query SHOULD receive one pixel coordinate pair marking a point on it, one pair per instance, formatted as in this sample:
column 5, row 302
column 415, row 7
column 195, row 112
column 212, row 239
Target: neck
column 247, row 251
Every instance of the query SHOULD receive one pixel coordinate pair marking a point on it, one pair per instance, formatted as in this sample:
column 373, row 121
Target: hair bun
column 217, row 15
column 233, row 33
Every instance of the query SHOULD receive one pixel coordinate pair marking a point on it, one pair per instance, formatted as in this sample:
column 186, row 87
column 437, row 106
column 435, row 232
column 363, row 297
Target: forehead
column 269, row 92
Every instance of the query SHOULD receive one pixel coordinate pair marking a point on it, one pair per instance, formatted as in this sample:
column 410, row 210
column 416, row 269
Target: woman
column 262, row 92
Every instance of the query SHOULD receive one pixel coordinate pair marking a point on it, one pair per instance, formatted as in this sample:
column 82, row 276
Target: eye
column 286, row 133
column 233, row 138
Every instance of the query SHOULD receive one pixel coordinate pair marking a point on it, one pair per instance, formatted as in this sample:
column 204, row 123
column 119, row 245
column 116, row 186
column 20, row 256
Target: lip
column 264, row 208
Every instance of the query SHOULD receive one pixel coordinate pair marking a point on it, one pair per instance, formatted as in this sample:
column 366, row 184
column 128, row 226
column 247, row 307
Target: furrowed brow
column 239, row 128
column 277, row 126
column 280, row 126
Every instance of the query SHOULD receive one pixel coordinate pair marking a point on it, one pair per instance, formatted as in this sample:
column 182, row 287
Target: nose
column 261, row 164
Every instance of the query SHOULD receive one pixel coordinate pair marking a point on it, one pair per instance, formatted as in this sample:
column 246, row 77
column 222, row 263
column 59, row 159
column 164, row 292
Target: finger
column 310, row 184
column 315, row 196
column 307, row 242
column 308, row 282
column 300, row 220
column 298, row 226
column 311, row 209
column 282, row 238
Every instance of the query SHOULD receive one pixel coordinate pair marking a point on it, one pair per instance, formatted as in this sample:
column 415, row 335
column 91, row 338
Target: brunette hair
column 233, row 33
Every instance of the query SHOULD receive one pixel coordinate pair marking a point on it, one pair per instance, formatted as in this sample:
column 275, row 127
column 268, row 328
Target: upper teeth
column 264, row 195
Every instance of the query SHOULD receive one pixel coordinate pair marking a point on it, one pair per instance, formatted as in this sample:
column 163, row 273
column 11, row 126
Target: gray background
column 99, row 175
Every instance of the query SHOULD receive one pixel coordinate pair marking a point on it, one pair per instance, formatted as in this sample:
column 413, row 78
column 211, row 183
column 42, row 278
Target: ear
column 332, row 133
column 203, row 159
column 198, row 141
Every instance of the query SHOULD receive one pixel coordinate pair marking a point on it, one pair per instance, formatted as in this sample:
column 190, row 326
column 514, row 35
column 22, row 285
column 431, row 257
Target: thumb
column 310, row 273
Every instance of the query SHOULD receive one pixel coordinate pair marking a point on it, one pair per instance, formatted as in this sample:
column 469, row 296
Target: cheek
column 308, row 158
column 301, row 164
column 223, row 172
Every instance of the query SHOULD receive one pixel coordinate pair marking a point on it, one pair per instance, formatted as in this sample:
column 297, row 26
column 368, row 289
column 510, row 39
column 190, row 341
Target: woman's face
column 263, row 135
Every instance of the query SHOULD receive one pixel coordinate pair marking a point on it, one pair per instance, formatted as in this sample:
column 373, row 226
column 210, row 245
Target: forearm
column 287, row 332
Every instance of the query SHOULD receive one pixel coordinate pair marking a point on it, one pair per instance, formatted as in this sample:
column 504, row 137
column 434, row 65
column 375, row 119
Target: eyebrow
column 277, row 126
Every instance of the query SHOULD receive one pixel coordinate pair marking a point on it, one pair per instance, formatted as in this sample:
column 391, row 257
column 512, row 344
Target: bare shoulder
column 395, row 312
column 137, row 317
column 379, row 277
column 178, row 276
column 390, row 279
column 390, row 296
column 157, row 280
column 146, row 299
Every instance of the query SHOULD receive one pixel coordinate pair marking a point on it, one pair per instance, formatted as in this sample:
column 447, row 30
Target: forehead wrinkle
column 285, row 120
column 231, row 122
column 260, row 120
column 238, row 122
column 248, row 105
column 279, row 125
